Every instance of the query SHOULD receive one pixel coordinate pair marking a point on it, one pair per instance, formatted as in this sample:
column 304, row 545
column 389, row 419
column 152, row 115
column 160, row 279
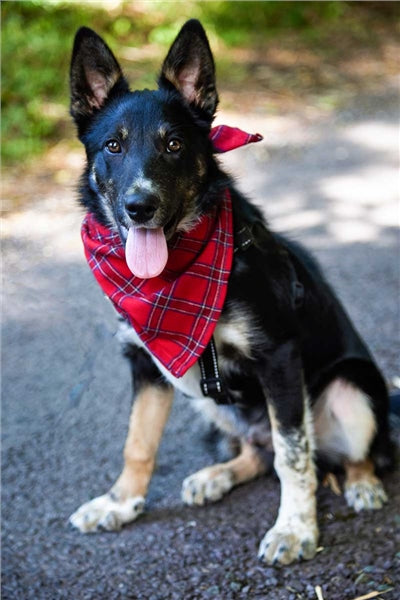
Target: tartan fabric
column 175, row 313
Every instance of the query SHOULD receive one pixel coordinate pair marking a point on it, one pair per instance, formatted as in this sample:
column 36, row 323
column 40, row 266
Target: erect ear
column 94, row 75
column 189, row 67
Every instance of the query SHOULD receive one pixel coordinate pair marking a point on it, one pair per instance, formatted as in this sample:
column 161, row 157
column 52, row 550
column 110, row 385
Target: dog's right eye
column 113, row 146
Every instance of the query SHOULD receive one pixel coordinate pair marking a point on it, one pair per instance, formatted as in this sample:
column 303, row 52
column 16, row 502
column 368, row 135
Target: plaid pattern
column 174, row 314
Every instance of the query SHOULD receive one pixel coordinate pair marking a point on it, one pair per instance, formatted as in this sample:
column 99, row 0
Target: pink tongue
column 146, row 252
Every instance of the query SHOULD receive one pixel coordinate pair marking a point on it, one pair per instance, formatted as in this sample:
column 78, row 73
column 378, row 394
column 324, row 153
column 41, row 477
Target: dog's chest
column 234, row 337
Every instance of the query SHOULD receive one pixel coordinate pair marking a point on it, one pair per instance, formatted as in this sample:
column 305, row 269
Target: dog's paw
column 105, row 514
column 208, row 485
column 365, row 495
column 286, row 544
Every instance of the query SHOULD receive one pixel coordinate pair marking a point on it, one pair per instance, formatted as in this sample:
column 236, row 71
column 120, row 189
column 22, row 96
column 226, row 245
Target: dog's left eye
column 174, row 145
column 113, row 146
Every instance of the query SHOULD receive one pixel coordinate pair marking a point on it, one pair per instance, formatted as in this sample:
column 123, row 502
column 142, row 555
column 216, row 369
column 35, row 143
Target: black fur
column 292, row 349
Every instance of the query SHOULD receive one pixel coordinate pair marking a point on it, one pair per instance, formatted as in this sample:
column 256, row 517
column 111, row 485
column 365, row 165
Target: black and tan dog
column 290, row 361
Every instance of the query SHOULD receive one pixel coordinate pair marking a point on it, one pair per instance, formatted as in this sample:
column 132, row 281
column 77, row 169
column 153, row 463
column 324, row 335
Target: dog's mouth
column 146, row 251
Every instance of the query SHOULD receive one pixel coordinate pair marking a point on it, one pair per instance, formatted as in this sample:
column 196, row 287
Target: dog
column 272, row 356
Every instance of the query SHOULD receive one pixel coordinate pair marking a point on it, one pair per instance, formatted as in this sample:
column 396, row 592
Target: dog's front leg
column 125, row 501
column 295, row 533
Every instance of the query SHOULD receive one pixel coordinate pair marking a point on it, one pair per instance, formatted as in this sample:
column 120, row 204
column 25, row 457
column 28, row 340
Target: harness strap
column 211, row 382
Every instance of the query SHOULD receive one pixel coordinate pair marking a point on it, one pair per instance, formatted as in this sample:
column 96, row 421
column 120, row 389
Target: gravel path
column 332, row 183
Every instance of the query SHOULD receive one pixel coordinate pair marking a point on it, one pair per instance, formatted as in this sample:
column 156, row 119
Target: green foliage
column 34, row 74
column 37, row 38
column 240, row 22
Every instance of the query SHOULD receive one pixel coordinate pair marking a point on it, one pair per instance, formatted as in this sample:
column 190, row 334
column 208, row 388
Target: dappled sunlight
column 298, row 220
column 325, row 180
column 352, row 231
column 365, row 187
column 361, row 203
column 378, row 135
column 50, row 228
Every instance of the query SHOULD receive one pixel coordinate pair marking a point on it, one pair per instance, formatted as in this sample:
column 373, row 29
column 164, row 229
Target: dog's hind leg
column 125, row 501
column 345, row 426
column 212, row 483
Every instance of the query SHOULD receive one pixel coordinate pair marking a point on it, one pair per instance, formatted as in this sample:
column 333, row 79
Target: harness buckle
column 243, row 238
column 212, row 386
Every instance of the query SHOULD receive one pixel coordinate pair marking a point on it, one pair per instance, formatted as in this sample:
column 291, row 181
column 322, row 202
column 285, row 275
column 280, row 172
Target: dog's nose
column 140, row 207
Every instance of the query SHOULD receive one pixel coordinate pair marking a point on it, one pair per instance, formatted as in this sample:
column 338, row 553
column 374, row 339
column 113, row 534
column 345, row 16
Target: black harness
column 211, row 382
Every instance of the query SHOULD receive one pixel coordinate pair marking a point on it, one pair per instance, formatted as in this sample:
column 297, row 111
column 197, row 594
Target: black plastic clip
column 243, row 238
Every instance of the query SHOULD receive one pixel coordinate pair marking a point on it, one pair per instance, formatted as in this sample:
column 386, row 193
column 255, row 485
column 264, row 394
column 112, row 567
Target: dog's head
column 150, row 168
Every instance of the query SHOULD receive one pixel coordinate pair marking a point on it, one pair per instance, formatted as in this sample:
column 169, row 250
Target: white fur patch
column 234, row 332
column 344, row 422
column 188, row 222
column 238, row 329
column 290, row 540
column 224, row 417
column 365, row 495
column 295, row 532
column 189, row 384
column 105, row 513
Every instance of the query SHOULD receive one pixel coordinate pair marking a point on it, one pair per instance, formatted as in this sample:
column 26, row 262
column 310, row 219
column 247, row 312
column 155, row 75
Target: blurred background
column 272, row 57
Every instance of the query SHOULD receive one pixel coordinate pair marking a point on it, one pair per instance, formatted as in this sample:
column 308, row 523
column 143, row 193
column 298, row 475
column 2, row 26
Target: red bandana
column 174, row 313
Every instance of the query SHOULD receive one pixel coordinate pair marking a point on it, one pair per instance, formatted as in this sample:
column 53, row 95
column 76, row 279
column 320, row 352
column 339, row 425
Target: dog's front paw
column 104, row 513
column 208, row 485
column 365, row 495
column 286, row 544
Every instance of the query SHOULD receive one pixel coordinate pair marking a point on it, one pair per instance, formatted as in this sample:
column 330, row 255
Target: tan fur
column 125, row 501
column 212, row 483
column 124, row 133
column 148, row 418
column 185, row 82
column 360, row 471
column 244, row 467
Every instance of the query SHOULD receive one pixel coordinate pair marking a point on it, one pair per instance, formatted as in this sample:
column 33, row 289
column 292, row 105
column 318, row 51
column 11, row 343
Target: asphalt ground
column 330, row 182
